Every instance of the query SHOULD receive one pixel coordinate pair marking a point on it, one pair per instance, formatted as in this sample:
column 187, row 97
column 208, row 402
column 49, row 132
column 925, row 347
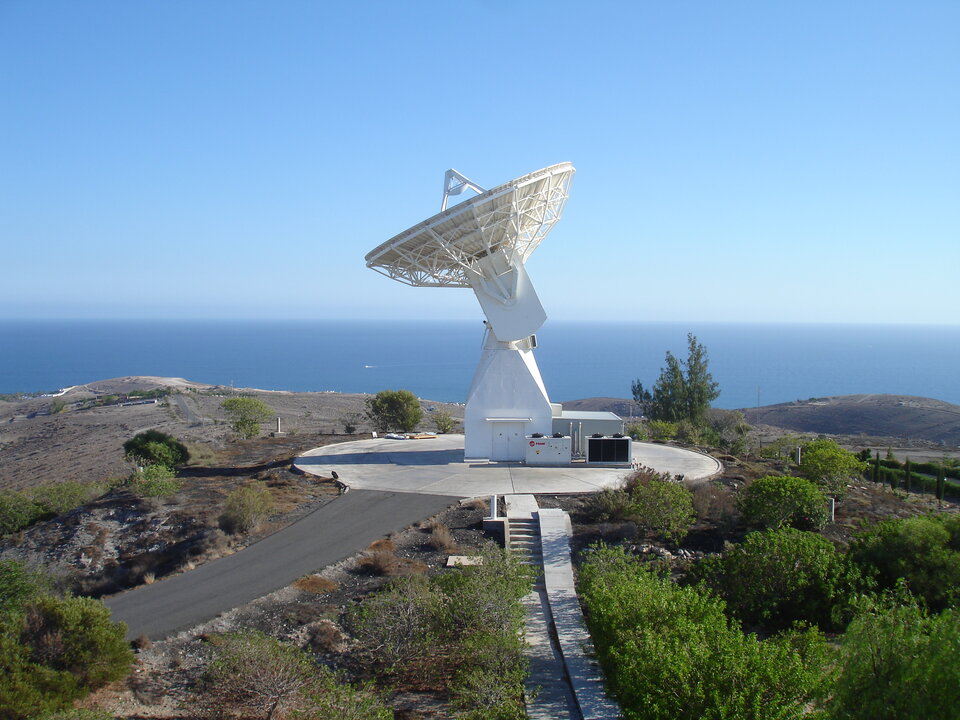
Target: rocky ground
column 83, row 441
column 312, row 613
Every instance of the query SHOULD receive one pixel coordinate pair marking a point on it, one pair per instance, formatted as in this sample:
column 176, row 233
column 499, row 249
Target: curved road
column 328, row 535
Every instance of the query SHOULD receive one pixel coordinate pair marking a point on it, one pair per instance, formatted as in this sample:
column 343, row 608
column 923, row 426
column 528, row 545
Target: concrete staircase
column 524, row 534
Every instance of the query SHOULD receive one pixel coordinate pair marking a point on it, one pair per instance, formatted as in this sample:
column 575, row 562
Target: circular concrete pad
column 436, row 467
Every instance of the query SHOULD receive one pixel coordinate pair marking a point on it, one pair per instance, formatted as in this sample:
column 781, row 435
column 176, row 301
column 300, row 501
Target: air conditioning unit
column 610, row 450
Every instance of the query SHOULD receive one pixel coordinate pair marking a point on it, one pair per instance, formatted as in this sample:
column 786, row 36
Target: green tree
column 246, row 414
column 153, row 447
column 830, row 466
column 641, row 396
column 923, row 550
column 670, row 653
column 775, row 502
column 775, row 578
column 684, row 389
column 394, row 410
column 896, row 662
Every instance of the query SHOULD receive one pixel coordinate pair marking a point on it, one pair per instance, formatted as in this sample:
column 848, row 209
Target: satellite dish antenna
column 483, row 243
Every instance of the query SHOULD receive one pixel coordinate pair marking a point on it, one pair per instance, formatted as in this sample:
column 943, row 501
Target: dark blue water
column 436, row 360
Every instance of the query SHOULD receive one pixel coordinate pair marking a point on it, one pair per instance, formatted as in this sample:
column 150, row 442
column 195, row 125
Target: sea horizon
column 756, row 363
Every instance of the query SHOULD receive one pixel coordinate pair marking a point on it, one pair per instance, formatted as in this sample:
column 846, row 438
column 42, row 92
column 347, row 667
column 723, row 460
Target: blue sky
column 736, row 161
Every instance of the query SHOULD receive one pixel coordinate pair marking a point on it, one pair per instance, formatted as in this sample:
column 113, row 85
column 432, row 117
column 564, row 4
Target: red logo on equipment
column 532, row 443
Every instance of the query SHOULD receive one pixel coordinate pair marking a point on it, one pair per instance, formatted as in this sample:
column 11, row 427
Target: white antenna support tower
column 483, row 243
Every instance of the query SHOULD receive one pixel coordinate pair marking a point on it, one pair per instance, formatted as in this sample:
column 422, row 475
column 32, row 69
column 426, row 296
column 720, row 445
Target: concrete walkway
column 583, row 670
column 548, row 693
column 437, row 467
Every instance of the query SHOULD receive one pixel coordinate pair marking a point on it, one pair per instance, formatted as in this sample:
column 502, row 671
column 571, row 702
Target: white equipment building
column 483, row 243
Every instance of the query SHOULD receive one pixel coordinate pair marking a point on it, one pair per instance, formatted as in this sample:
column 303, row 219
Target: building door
column 508, row 441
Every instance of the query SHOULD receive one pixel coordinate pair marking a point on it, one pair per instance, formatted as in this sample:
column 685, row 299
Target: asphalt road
column 331, row 533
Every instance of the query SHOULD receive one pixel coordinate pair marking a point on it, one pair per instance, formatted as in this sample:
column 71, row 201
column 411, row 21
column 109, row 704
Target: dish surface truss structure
column 483, row 243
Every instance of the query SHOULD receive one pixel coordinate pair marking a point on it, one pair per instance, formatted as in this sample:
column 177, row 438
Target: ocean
column 755, row 363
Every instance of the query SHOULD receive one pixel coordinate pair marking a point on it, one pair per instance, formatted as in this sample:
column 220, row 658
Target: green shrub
column 19, row 585
column 609, row 505
column 923, row 550
column 155, row 481
column 254, row 673
column 830, row 466
column 896, row 662
column 443, row 422
column 245, row 508
column 776, row 578
column 464, row 625
column 58, row 498
column 56, row 650
column 664, row 508
column 774, row 502
column 670, row 653
column 153, row 447
column 17, row 511
column 662, row 429
column 637, row 431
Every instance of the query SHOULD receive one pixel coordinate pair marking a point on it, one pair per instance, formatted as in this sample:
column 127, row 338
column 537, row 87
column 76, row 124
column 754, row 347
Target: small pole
column 833, row 508
column 278, row 423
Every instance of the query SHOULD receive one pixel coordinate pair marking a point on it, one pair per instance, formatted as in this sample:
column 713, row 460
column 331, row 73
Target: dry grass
column 201, row 454
column 383, row 545
column 325, row 636
column 149, row 578
column 716, row 503
column 386, row 563
column 316, row 584
column 442, row 539
column 477, row 504
column 142, row 642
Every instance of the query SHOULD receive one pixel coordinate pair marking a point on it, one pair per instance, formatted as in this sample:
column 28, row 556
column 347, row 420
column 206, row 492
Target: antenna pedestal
column 506, row 402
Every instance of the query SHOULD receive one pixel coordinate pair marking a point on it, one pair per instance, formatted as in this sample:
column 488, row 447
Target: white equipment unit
column 482, row 244
column 548, row 451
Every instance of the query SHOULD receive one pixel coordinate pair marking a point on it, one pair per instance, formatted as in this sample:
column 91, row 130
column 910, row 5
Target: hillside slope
column 892, row 416
column 903, row 416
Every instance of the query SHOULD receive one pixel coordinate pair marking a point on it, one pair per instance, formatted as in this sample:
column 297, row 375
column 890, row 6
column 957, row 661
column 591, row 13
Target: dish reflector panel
column 446, row 249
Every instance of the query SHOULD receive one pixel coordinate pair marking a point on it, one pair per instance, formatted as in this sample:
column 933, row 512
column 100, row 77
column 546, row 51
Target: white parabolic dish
column 511, row 219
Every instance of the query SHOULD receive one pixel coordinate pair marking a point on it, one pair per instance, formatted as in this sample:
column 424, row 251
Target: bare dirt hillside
column 900, row 417
column 897, row 416
column 78, row 435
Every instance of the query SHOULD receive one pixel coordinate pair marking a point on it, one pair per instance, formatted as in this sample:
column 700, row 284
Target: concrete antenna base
column 507, row 401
